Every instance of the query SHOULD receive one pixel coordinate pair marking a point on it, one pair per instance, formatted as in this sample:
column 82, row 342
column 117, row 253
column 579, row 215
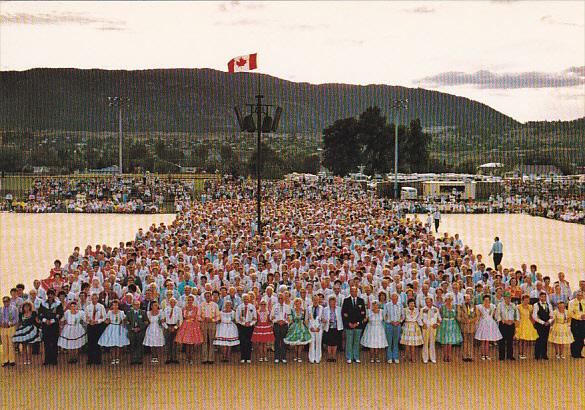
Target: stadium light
column 397, row 105
column 263, row 123
column 119, row 102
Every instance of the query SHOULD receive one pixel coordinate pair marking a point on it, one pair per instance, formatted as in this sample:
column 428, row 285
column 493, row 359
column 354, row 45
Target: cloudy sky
column 523, row 58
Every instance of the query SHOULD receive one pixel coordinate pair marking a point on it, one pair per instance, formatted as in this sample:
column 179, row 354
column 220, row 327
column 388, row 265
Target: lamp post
column 263, row 123
column 119, row 102
column 397, row 105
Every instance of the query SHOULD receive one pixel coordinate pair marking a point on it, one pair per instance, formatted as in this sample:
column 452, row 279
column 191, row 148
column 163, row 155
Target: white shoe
column 562, row 357
column 357, row 361
column 248, row 361
column 371, row 360
column 434, row 361
column 425, row 361
column 396, row 361
column 261, row 359
column 488, row 358
column 558, row 357
column 299, row 360
column 242, row 361
column 389, row 361
column 284, row 361
column 348, row 361
column 276, row 361
column 377, row 360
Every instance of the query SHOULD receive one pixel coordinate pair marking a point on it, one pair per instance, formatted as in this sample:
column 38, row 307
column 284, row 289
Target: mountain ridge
column 202, row 100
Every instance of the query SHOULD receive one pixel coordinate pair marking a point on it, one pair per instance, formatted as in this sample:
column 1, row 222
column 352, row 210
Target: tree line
column 368, row 141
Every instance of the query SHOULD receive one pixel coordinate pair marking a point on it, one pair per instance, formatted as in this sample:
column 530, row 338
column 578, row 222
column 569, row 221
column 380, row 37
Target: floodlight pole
column 120, row 136
column 258, row 167
column 118, row 102
column 396, row 106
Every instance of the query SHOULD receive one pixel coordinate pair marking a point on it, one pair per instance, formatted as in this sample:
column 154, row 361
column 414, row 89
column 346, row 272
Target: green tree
column 342, row 151
column 272, row 164
column 378, row 141
column 11, row 159
column 416, row 147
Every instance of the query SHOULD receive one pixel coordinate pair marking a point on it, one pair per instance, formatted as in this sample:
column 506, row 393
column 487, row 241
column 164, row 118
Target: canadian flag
column 243, row 63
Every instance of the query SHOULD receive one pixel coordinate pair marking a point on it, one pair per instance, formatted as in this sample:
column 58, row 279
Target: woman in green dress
column 449, row 333
column 298, row 333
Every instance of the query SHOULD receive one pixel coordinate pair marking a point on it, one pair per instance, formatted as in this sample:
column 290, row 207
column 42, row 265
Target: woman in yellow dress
column 525, row 332
column 560, row 333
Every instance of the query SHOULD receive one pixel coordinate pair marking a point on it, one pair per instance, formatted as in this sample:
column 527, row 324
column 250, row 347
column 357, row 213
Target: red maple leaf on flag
column 241, row 62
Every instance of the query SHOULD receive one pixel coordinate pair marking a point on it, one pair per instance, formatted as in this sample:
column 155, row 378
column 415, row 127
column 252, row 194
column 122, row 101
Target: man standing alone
column 497, row 251
column 437, row 218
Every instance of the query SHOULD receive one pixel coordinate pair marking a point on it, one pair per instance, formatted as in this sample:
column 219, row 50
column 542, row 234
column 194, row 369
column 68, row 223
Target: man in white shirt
column 173, row 317
column 95, row 314
column 279, row 316
column 429, row 320
column 543, row 317
column 246, row 319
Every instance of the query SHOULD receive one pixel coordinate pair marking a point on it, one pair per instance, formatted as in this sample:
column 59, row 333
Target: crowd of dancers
column 332, row 268
column 561, row 200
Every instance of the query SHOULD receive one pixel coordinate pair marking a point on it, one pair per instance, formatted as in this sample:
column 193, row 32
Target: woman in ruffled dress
column 28, row 333
column 115, row 335
column 298, row 334
column 374, row 336
column 560, row 332
column 411, row 333
column 73, row 336
column 487, row 329
column 189, row 333
column 154, row 336
column 263, row 333
column 525, row 332
column 226, row 334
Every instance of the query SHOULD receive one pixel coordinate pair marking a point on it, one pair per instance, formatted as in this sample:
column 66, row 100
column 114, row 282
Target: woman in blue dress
column 116, row 335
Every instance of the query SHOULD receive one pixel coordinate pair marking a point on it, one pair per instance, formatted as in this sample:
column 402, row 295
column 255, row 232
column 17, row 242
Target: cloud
column 59, row 18
column 548, row 19
column 226, row 7
column 240, row 22
column 243, row 22
column 570, row 77
column 421, row 10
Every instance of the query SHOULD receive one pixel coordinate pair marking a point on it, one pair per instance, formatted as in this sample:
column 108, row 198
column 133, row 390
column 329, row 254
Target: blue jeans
column 393, row 338
column 352, row 343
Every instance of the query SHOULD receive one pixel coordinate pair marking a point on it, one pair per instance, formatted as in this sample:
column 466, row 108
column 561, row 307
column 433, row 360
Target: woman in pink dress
column 189, row 333
column 263, row 333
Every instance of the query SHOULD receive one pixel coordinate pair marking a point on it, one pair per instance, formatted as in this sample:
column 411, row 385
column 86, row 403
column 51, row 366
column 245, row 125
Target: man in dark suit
column 137, row 322
column 353, row 313
column 50, row 312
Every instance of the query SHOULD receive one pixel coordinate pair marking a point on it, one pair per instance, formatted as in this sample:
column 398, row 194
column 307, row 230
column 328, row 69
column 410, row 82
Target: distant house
column 108, row 170
column 41, row 170
column 537, row 170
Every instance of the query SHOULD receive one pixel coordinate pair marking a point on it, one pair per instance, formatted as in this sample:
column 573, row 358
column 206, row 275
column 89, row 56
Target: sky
column 523, row 58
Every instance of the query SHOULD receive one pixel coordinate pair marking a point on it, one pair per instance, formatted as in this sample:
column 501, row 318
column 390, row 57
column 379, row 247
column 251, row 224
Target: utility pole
column 396, row 106
column 118, row 102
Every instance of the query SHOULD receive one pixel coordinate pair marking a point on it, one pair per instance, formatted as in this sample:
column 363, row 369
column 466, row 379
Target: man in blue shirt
column 497, row 251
